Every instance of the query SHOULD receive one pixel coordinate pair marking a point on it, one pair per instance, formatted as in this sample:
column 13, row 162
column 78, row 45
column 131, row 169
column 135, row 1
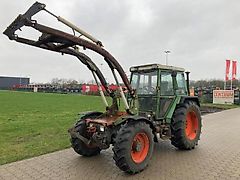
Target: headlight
column 101, row 128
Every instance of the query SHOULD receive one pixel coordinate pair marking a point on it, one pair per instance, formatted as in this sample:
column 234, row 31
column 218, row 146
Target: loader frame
column 65, row 43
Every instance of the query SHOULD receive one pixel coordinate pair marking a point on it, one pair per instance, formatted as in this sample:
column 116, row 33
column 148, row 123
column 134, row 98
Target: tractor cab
column 157, row 86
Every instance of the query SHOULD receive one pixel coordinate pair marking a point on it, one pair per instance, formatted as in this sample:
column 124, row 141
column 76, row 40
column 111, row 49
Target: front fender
column 124, row 119
column 136, row 118
column 89, row 114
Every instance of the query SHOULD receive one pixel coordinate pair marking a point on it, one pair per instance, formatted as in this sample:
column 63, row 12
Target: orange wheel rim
column 191, row 125
column 140, row 147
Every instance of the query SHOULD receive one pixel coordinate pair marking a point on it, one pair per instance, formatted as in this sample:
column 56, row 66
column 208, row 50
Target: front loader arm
column 19, row 22
column 59, row 41
column 81, row 56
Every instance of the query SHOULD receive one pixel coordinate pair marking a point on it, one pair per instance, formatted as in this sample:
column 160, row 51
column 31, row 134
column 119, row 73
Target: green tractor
column 156, row 101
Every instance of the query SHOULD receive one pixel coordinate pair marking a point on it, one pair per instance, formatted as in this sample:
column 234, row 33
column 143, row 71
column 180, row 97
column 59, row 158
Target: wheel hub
column 137, row 147
column 191, row 126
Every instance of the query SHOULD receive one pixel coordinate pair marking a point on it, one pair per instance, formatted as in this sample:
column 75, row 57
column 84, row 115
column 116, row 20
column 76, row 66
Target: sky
column 200, row 34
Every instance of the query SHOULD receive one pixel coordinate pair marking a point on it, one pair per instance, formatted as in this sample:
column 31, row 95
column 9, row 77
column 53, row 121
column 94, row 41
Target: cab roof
column 148, row 67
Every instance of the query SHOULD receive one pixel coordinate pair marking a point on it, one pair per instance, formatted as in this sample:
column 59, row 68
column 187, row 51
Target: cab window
column 181, row 84
column 145, row 83
column 166, row 85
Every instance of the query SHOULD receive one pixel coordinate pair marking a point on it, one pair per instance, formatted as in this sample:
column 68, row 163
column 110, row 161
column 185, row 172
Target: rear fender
column 190, row 98
column 179, row 100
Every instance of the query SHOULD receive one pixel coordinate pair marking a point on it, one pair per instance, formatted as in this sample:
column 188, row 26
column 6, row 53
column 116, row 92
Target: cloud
column 199, row 34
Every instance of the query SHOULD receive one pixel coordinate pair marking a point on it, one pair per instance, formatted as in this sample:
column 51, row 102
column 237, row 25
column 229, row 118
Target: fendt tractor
column 156, row 101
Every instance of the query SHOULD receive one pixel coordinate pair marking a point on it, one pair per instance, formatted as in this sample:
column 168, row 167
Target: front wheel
column 133, row 147
column 79, row 146
column 186, row 126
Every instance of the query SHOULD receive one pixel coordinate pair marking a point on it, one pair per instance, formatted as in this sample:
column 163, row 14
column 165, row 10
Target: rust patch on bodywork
column 107, row 120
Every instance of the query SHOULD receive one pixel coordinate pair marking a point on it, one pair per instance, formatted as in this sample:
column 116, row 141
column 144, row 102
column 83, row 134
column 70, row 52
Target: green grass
column 32, row 124
column 220, row 106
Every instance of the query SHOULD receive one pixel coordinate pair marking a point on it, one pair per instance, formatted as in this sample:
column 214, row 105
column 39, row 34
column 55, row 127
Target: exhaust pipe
column 188, row 81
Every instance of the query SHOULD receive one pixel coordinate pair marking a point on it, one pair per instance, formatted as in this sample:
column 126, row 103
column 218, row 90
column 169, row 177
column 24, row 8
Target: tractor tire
column 79, row 146
column 133, row 147
column 186, row 126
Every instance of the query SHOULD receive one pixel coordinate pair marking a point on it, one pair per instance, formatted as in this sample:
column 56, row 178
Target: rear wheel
column 133, row 147
column 186, row 126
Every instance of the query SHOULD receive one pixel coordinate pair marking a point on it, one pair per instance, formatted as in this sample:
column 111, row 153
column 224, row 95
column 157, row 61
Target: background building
column 13, row 82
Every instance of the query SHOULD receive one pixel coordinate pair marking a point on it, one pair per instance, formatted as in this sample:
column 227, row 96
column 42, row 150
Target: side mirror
column 174, row 74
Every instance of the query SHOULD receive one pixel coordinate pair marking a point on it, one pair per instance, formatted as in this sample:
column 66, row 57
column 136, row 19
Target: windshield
column 144, row 83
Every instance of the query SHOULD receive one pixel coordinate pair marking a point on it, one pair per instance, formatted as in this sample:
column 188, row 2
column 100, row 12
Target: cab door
column 166, row 92
column 145, row 84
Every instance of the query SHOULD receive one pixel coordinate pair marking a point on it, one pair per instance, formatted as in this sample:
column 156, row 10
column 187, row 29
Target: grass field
column 36, row 123
column 221, row 106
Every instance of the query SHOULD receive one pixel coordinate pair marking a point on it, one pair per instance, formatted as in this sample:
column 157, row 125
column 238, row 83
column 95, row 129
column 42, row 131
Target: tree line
column 214, row 83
